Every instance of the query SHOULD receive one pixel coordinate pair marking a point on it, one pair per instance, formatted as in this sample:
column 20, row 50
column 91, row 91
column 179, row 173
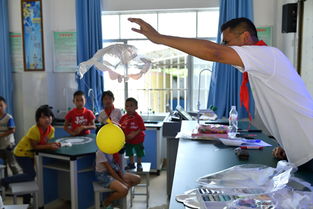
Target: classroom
column 153, row 104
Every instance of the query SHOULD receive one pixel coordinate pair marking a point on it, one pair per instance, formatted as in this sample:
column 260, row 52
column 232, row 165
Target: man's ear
column 247, row 37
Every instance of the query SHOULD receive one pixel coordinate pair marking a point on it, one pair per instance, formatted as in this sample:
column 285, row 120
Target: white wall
column 120, row 5
column 269, row 13
column 307, row 51
column 32, row 89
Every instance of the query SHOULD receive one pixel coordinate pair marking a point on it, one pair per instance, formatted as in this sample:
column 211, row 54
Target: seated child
column 110, row 112
column 110, row 175
column 79, row 120
column 36, row 138
column 7, row 141
column 133, row 127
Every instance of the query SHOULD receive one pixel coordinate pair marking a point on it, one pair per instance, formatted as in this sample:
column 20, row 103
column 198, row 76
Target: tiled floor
column 158, row 196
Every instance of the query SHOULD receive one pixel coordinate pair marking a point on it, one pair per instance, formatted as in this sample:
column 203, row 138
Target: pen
column 252, row 140
column 249, row 130
column 251, row 147
column 247, row 136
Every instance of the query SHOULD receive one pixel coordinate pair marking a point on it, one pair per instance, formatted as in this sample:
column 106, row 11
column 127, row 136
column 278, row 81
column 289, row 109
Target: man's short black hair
column 43, row 110
column 241, row 24
column 133, row 100
column 78, row 93
column 107, row 93
column 2, row 99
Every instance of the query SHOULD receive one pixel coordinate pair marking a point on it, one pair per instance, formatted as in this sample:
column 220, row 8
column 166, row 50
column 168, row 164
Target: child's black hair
column 78, row 93
column 2, row 99
column 43, row 110
column 133, row 100
column 107, row 93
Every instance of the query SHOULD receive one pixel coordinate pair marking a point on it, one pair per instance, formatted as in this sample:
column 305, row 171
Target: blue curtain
column 89, row 40
column 226, row 80
column 6, row 82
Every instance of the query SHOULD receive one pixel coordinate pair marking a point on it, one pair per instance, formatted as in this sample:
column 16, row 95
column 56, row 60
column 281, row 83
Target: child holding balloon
column 110, row 175
column 133, row 127
column 111, row 112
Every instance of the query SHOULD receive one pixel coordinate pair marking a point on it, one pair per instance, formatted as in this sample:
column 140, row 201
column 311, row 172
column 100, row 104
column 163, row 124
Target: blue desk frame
column 73, row 155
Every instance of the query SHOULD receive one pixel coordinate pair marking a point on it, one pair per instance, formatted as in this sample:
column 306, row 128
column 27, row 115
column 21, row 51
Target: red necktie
column 244, row 90
column 109, row 111
column 116, row 157
column 44, row 135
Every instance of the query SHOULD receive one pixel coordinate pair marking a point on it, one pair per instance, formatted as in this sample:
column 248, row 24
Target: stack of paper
column 244, row 142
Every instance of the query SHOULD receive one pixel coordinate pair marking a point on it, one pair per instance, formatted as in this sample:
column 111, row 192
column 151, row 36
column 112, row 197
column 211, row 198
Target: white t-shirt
column 6, row 122
column 102, row 158
column 281, row 98
column 115, row 115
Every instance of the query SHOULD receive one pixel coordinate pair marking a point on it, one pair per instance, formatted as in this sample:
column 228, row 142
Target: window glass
column 166, row 84
column 110, row 26
column 208, row 23
column 178, row 24
column 127, row 33
column 201, row 95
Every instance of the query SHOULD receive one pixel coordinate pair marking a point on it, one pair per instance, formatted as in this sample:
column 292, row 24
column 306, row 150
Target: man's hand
column 279, row 153
column 145, row 29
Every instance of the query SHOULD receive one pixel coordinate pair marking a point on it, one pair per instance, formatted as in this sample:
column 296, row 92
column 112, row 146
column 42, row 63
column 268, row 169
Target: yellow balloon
column 110, row 138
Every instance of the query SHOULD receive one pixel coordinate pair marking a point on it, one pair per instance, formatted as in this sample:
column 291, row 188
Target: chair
column 145, row 172
column 98, row 189
column 22, row 188
column 2, row 170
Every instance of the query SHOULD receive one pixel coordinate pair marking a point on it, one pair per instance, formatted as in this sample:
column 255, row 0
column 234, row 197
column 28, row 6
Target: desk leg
column 147, row 188
column 2, row 168
column 40, row 198
column 73, row 173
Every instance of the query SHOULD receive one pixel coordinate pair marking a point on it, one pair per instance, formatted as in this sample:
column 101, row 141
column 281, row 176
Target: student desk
column 76, row 163
column 198, row 158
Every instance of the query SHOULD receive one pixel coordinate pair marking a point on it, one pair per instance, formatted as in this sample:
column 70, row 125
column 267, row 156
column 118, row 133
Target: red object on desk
column 251, row 147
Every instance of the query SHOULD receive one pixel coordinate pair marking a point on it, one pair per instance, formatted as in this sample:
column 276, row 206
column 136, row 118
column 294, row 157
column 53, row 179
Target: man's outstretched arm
column 203, row 49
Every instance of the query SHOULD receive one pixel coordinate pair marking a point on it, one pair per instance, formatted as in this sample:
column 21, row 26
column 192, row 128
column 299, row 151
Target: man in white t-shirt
column 281, row 98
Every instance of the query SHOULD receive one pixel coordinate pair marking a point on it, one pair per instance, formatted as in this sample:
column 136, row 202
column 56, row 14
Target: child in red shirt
column 79, row 120
column 133, row 127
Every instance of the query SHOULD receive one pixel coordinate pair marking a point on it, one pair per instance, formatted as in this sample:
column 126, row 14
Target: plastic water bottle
column 233, row 122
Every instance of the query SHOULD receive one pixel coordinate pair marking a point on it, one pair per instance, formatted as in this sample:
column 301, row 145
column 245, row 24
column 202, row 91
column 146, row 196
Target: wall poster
column 65, row 52
column 265, row 34
column 32, row 27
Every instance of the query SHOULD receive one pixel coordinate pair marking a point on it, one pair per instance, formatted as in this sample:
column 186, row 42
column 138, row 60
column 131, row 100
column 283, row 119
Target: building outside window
column 174, row 76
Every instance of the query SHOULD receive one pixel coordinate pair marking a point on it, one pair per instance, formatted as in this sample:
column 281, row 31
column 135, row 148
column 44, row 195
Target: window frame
column 190, row 90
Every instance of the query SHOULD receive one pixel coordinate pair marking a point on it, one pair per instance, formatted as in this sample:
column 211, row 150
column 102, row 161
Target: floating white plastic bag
column 121, row 61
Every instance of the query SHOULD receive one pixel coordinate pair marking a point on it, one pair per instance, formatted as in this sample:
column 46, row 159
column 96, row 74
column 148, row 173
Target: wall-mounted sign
column 65, row 52
column 16, row 52
column 265, row 34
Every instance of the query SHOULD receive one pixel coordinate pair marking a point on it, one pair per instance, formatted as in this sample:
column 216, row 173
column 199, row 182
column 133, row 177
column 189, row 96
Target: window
column 174, row 76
